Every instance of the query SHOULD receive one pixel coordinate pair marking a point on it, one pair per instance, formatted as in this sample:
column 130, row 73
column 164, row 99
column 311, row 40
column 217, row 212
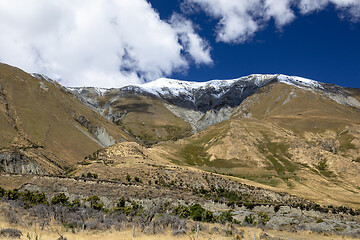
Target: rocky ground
column 236, row 205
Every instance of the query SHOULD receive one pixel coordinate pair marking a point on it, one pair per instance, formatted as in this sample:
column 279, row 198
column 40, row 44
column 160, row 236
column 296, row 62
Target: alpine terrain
column 216, row 158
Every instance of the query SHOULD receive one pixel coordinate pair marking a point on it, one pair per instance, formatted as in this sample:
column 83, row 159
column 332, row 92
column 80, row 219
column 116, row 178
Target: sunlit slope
column 284, row 137
column 141, row 115
column 36, row 112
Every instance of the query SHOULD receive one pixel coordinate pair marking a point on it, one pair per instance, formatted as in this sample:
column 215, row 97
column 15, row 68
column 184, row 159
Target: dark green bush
column 60, row 198
column 182, row 211
column 249, row 219
column 263, row 218
column 90, row 175
column 195, row 212
column 225, row 217
column 75, row 203
column 249, row 205
column 95, row 203
column 121, row 203
column 12, row 194
column 2, row 192
column 34, row 198
column 137, row 180
column 134, row 209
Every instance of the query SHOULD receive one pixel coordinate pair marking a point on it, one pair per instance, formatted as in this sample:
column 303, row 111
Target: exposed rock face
column 102, row 136
column 199, row 120
column 16, row 162
column 207, row 103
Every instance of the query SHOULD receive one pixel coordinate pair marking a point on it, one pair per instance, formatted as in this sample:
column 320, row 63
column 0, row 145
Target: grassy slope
column 45, row 117
column 7, row 132
column 285, row 145
column 147, row 118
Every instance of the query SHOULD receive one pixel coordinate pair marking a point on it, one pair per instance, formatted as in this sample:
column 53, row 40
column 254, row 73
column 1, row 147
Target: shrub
column 249, row 219
column 263, row 218
column 75, row 203
column 12, row 194
column 207, row 216
column 121, row 203
column 316, row 207
column 95, row 202
column 196, row 212
column 128, row 178
column 137, row 180
column 60, row 198
column 2, row 192
column 225, row 217
column 90, row 175
column 182, row 212
column 34, row 198
column 134, row 209
column 249, row 205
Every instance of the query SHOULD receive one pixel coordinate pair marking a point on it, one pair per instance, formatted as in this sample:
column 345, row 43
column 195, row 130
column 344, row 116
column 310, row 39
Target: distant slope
column 203, row 104
column 143, row 116
column 41, row 118
column 286, row 137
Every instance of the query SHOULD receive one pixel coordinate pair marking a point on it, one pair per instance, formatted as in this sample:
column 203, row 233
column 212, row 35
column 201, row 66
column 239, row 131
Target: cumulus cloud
column 239, row 20
column 348, row 8
column 195, row 46
column 108, row 43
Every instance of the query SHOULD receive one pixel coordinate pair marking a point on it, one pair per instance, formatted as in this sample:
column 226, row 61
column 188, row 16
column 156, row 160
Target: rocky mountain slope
column 278, row 152
column 203, row 104
column 44, row 128
column 289, row 133
column 284, row 133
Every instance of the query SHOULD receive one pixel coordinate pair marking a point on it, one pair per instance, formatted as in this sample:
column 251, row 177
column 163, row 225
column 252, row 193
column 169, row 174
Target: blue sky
column 114, row 43
column 319, row 46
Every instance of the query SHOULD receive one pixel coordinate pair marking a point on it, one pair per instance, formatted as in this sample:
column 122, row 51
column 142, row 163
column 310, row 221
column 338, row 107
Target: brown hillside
column 287, row 138
column 42, row 115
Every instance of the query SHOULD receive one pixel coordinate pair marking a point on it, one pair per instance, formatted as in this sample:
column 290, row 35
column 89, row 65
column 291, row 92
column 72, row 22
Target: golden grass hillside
column 35, row 113
column 143, row 116
column 296, row 141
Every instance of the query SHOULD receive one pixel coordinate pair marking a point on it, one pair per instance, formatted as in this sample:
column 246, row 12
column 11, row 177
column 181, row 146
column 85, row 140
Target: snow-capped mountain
column 205, row 103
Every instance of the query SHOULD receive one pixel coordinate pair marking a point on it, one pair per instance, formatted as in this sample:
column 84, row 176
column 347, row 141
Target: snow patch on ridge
column 299, row 81
column 178, row 88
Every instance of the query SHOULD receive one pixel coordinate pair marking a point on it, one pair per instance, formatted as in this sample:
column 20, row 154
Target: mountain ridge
column 203, row 104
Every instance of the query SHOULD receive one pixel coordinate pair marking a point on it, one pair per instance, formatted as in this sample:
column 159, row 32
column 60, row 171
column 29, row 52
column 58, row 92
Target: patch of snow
column 186, row 89
column 78, row 90
column 101, row 91
column 43, row 86
column 299, row 81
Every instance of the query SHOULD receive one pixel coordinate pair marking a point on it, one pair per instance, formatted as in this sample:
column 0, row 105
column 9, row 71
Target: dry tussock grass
column 53, row 233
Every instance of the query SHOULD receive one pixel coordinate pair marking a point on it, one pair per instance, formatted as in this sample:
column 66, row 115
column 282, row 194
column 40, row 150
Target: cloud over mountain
column 112, row 43
column 98, row 43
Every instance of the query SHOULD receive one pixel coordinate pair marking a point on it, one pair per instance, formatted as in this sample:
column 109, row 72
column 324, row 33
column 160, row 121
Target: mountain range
column 279, row 132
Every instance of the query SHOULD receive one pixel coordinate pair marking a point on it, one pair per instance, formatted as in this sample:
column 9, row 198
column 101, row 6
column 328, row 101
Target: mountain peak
column 165, row 86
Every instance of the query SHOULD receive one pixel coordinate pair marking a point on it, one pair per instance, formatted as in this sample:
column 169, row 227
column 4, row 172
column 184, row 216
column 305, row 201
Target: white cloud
column 108, row 43
column 348, row 8
column 239, row 20
column 280, row 11
column 194, row 45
